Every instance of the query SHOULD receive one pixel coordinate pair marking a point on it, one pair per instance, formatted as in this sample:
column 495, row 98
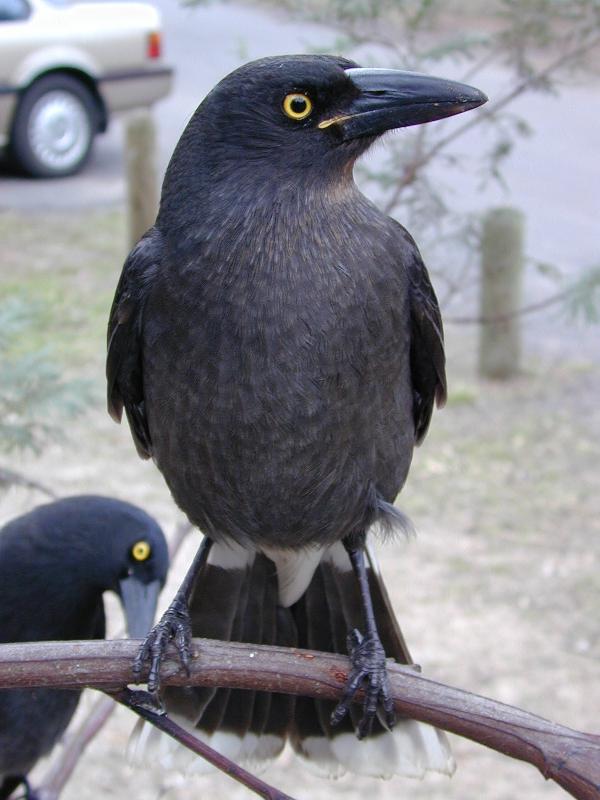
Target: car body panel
column 118, row 89
column 8, row 103
column 104, row 42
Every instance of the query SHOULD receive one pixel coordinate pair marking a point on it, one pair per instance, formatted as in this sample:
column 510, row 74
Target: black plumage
column 55, row 564
column 278, row 349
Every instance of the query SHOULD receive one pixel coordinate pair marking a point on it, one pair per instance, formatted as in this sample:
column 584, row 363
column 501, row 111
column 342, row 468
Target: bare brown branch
column 569, row 757
column 542, row 305
column 128, row 698
column 9, row 477
column 423, row 155
column 61, row 768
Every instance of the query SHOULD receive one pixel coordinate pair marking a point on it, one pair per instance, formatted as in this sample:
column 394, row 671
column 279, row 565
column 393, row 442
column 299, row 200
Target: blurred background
column 500, row 592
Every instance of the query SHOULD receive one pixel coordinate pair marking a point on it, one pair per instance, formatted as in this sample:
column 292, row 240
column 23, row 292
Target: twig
column 412, row 169
column 11, row 478
column 61, row 768
column 519, row 89
column 570, row 758
column 517, row 312
column 128, row 698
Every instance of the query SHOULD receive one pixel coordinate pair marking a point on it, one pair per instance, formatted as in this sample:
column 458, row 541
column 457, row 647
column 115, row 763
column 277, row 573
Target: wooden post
column 142, row 184
column 501, row 293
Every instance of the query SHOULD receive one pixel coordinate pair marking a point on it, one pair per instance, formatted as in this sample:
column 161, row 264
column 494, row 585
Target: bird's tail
column 238, row 598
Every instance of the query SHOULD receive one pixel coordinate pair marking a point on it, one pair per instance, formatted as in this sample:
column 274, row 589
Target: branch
column 9, row 477
column 531, row 80
column 61, row 768
column 569, row 757
column 517, row 312
column 136, row 702
column 423, row 157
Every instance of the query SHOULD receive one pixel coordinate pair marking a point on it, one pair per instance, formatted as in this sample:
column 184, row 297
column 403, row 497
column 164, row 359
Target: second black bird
column 55, row 564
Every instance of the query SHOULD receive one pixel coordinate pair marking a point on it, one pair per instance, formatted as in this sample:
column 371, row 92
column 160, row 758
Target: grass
column 68, row 267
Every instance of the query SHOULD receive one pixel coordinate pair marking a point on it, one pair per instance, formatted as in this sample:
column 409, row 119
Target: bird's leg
column 367, row 657
column 174, row 624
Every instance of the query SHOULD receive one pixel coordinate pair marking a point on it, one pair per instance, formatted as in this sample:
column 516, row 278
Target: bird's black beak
column 139, row 603
column 391, row 98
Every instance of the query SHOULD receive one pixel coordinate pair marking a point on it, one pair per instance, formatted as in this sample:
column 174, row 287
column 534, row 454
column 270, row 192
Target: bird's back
column 40, row 596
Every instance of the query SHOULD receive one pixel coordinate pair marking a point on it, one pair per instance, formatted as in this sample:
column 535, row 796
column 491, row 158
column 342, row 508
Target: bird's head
column 312, row 115
column 141, row 557
column 110, row 545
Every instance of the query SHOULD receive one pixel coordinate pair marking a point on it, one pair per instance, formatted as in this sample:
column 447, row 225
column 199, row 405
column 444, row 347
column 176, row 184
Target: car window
column 13, row 10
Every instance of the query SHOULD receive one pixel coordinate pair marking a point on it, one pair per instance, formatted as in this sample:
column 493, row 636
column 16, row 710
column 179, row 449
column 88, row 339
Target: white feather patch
column 338, row 557
column 230, row 555
column 316, row 754
column 148, row 745
column 410, row 750
column 295, row 569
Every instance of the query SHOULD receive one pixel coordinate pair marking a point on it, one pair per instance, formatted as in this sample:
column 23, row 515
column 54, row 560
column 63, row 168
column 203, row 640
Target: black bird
column 277, row 347
column 55, row 564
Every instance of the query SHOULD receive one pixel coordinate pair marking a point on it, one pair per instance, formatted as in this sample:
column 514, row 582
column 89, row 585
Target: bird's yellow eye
column 141, row 551
column 297, row 106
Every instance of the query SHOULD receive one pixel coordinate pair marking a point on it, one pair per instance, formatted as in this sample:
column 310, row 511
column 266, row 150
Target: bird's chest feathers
column 316, row 280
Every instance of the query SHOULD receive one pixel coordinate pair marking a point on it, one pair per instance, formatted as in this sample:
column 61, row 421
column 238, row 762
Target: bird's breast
column 265, row 393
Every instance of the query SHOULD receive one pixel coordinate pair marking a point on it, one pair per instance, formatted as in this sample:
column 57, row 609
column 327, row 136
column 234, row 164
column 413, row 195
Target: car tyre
column 54, row 127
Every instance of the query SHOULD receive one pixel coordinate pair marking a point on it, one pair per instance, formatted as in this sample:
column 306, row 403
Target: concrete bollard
column 142, row 184
column 501, row 293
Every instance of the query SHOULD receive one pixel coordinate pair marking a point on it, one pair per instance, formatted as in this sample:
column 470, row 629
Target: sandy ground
column 499, row 594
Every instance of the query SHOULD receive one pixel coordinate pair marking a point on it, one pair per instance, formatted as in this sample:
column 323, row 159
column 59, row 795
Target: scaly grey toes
column 174, row 624
column 368, row 671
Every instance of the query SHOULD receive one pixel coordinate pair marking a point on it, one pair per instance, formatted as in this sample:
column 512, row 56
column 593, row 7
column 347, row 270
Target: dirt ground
column 500, row 592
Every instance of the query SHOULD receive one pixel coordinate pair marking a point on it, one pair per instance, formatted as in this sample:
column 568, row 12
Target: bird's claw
column 368, row 671
column 174, row 625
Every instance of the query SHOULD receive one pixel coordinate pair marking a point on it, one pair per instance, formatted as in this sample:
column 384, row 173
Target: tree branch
column 531, row 80
column 9, row 477
column 61, row 768
column 131, row 700
column 570, row 758
column 423, row 156
column 479, row 319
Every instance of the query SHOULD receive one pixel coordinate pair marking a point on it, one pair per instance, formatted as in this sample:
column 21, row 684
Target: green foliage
column 35, row 398
column 583, row 298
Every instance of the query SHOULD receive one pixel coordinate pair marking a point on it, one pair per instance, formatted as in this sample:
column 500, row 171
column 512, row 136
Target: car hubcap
column 59, row 130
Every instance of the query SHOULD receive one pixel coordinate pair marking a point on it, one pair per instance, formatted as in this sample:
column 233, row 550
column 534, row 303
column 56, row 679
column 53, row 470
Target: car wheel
column 54, row 127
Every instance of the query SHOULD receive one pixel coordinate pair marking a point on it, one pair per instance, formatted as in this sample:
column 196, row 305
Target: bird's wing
column 427, row 358
column 124, row 368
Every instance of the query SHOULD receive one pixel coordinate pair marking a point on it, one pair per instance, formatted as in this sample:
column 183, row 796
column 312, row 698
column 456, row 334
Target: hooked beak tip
column 387, row 99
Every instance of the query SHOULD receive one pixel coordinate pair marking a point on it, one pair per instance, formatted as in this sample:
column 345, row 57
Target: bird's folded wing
column 427, row 357
column 124, row 360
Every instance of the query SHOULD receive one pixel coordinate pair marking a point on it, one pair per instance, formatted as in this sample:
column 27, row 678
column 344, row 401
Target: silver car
column 65, row 69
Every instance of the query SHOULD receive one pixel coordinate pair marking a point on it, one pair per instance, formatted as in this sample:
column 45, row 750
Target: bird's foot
column 174, row 625
column 369, row 672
